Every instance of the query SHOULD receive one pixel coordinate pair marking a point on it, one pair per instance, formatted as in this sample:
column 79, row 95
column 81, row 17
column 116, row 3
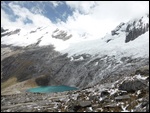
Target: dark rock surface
column 133, row 31
column 85, row 103
column 124, row 97
column 10, row 32
column 104, row 93
column 131, row 86
column 60, row 34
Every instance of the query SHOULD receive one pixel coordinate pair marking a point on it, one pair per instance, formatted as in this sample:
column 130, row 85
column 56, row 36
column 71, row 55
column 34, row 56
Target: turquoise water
column 50, row 89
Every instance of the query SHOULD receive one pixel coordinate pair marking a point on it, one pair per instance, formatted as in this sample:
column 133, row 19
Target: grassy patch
column 30, row 83
column 9, row 82
column 18, row 87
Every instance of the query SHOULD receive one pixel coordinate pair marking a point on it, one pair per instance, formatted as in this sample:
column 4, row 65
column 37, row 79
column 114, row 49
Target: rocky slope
column 126, row 94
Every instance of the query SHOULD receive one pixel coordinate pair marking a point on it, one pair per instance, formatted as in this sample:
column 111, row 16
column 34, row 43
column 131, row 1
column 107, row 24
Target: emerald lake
column 50, row 89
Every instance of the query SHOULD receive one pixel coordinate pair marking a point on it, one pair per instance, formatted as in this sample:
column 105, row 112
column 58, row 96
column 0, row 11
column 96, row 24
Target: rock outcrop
column 136, row 28
column 60, row 34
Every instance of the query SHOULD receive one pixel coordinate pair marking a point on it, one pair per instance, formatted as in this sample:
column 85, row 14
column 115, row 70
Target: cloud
column 56, row 3
column 23, row 14
column 4, row 18
column 92, row 17
column 124, row 10
column 110, row 7
column 81, row 6
column 98, row 18
column 38, row 10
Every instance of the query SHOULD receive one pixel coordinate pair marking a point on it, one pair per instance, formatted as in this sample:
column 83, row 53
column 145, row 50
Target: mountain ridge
column 82, row 64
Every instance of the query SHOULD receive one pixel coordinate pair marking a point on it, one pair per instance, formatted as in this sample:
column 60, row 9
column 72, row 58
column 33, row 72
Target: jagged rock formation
column 9, row 33
column 132, row 86
column 115, row 31
column 60, row 34
column 3, row 30
column 133, row 29
column 136, row 28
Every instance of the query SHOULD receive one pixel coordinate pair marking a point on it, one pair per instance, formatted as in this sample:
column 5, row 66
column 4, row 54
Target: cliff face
column 136, row 28
column 83, row 71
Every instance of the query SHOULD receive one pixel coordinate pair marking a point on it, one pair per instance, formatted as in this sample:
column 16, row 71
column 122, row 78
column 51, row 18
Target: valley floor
column 115, row 96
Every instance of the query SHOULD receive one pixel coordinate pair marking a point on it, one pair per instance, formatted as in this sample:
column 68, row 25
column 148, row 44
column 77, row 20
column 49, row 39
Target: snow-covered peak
column 119, row 42
column 120, row 28
column 127, row 39
column 137, row 27
column 137, row 22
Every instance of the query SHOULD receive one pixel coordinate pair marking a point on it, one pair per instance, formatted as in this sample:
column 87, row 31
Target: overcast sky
column 93, row 17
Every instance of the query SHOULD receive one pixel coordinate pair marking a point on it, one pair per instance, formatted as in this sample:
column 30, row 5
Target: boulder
column 124, row 97
column 85, row 103
column 112, row 105
column 93, row 98
column 104, row 93
column 132, row 86
column 147, row 108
